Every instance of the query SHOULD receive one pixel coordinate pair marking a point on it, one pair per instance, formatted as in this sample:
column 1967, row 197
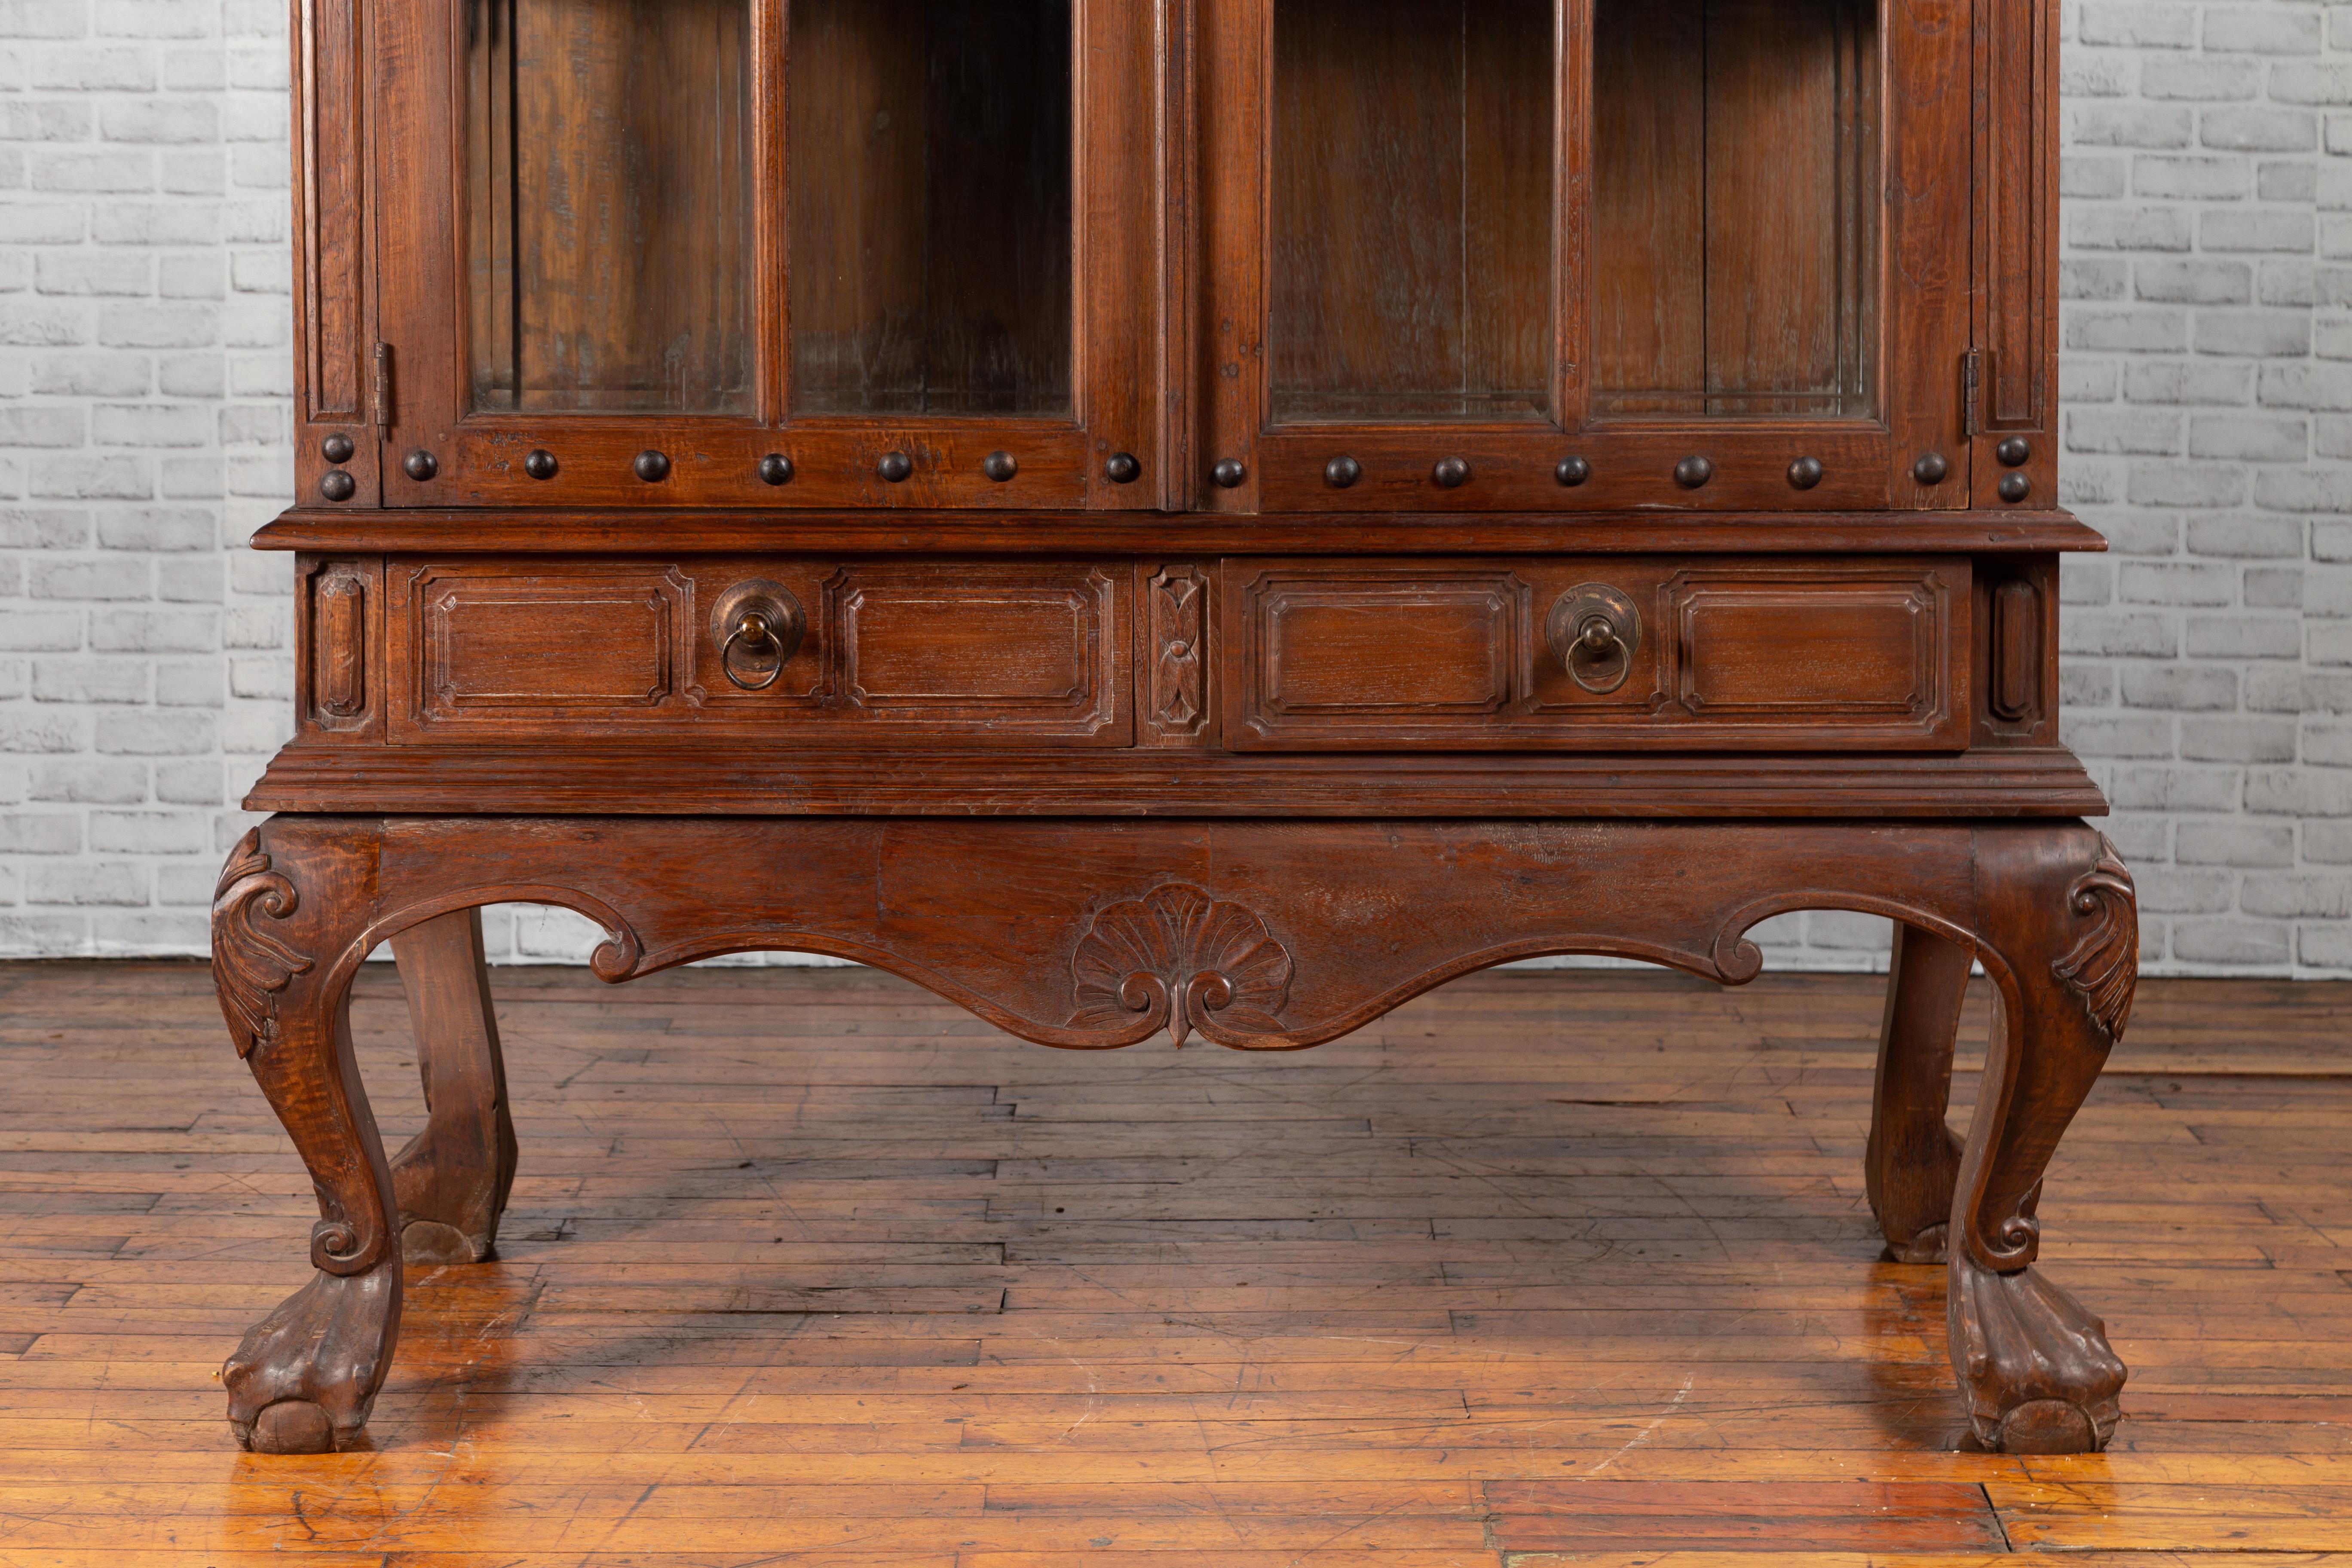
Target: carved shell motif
column 250, row 966
column 1179, row 949
column 2102, row 968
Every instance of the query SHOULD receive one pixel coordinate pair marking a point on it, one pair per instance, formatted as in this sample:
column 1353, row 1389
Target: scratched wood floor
column 807, row 1268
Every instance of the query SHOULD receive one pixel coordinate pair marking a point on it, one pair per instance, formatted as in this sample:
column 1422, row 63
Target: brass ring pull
column 1594, row 631
column 753, row 628
column 763, row 617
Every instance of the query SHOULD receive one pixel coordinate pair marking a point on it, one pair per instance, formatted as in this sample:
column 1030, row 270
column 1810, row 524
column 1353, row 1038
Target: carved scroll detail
column 250, row 966
column 2102, row 968
column 1177, row 599
column 1179, row 948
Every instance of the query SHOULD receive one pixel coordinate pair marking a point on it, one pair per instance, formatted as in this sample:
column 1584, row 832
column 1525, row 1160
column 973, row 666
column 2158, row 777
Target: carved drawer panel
column 1022, row 651
column 1708, row 654
column 488, row 650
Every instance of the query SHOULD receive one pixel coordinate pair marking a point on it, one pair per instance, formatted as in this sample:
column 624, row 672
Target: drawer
column 1723, row 653
column 484, row 650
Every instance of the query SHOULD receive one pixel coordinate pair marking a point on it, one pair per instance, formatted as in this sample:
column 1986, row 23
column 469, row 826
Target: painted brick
column 2178, row 687
column 2243, row 845
column 2234, row 944
column 2233, row 739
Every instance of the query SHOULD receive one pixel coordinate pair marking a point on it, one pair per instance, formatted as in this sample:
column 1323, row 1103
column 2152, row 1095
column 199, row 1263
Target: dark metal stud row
column 653, row 467
column 1452, row 473
column 1123, row 469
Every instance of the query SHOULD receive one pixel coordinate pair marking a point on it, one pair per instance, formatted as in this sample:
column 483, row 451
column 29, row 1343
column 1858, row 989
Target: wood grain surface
column 807, row 1267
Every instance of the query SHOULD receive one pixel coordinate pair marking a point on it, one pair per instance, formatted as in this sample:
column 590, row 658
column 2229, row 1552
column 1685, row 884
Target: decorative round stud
column 420, row 465
column 1930, row 469
column 336, row 485
column 651, row 466
column 1122, row 467
column 337, row 448
column 1693, row 472
column 2013, row 488
column 1229, row 473
column 1572, row 471
column 999, row 465
column 1452, row 473
column 776, row 469
column 539, row 464
column 895, row 467
column 1805, row 473
column 1342, row 471
column 2014, row 452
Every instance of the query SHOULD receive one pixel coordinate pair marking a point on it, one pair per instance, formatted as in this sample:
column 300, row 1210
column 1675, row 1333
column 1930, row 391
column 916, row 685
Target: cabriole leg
column 1913, row 1160
column 2033, row 1364
column 283, row 920
column 451, row 1180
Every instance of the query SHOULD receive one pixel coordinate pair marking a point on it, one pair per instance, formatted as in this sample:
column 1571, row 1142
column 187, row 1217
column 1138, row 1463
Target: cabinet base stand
column 1257, row 934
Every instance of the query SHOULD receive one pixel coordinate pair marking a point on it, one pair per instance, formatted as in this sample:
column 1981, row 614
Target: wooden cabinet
column 1208, row 517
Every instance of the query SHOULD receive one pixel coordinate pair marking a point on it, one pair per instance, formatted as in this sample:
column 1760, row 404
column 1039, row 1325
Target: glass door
column 1546, row 254
column 610, row 248
column 813, row 253
column 1410, row 271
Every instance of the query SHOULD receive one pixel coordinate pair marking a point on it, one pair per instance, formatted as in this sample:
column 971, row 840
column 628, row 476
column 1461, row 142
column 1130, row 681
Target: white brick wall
column 2208, row 329
column 2208, row 382
column 143, row 377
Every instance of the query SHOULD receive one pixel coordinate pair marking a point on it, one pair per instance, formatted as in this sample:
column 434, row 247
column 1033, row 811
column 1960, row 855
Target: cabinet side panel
column 332, row 333
column 413, row 104
column 2016, row 253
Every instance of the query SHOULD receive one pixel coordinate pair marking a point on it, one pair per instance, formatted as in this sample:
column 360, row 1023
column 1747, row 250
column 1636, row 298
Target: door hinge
column 1972, row 393
column 384, row 386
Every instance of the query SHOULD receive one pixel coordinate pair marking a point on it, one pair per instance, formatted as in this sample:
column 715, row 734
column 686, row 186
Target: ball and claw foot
column 2034, row 1363
column 305, row 1377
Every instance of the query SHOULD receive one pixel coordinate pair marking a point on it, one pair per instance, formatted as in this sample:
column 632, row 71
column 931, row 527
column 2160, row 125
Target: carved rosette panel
column 250, row 965
column 2103, row 966
column 1176, row 604
column 1179, row 953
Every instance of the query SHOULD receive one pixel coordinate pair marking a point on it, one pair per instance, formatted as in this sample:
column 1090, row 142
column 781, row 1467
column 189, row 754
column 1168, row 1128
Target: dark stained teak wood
column 1203, row 520
column 1911, row 1162
column 451, row 1180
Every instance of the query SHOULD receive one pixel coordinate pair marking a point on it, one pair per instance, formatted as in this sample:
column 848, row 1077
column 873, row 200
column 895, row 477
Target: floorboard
column 806, row 1267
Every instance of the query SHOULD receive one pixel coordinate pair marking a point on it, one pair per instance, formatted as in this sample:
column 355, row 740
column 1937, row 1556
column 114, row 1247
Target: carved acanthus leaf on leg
column 252, row 967
column 2103, row 967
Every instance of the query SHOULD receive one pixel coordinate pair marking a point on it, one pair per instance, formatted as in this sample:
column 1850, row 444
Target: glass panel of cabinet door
column 1240, row 255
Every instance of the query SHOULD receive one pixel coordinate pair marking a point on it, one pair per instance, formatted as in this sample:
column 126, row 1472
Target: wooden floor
column 805, row 1266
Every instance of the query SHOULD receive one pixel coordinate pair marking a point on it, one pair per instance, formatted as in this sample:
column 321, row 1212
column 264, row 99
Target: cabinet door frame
column 1925, row 84
column 1119, row 298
